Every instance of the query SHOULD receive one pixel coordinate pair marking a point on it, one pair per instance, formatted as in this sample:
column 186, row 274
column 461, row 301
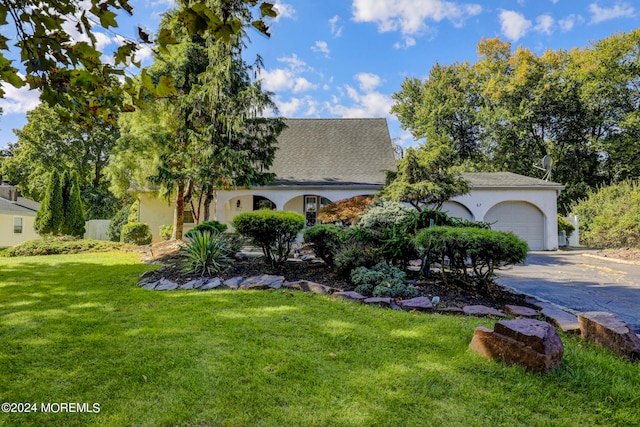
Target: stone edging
column 272, row 282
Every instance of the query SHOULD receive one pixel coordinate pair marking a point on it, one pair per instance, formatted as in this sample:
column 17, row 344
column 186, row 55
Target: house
column 323, row 160
column 17, row 216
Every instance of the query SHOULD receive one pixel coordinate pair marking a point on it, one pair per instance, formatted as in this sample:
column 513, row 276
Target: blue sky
column 345, row 58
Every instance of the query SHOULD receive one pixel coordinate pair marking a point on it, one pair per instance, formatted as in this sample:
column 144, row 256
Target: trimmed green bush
column 382, row 280
column 210, row 226
column 353, row 254
column 326, row 240
column 136, row 233
column 117, row 222
column 272, row 231
column 472, row 253
column 207, row 252
column 166, row 231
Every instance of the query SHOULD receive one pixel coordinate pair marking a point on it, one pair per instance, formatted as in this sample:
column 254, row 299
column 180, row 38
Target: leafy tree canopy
column 70, row 72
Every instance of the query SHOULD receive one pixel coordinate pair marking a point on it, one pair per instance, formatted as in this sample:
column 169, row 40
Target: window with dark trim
column 17, row 225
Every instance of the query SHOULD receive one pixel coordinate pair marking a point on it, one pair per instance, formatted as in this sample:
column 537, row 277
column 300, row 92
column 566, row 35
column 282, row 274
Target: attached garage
column 510, row 202
column 523, row 219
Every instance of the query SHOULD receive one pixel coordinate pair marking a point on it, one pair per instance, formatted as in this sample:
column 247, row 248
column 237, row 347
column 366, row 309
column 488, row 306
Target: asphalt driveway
column 579, row 282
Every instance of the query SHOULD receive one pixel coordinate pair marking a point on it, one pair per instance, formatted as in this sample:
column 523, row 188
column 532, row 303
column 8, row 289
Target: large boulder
column 607, row 330
column 531, row 343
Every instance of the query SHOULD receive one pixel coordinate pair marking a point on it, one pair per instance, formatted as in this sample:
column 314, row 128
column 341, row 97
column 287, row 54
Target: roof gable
column 333, row 152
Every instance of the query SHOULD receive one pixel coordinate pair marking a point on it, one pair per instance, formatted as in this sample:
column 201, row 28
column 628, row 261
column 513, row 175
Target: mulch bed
column 450, row 296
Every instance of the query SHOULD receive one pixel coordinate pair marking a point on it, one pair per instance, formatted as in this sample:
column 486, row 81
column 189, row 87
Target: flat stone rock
column 607, row 330
column 450, row 310
column 565, row 321
column 150, row 285
column 518, row 310
column 350, row 296
column 481, row 310
column 211, row 284
column 531, row 343
column 418, row 303
column 385, row 302
column 266, row 281
column 166, row 285
column 233, row 283
column 307, row 286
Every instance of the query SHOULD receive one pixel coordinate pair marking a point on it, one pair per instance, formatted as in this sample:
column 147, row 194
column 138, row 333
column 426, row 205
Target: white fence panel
column 96, row 229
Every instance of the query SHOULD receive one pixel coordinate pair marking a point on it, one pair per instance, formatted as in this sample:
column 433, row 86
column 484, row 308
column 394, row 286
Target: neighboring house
column 17, row 216
column 325, row 160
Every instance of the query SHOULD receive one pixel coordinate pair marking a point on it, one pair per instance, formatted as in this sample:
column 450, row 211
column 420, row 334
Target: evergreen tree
column 73, row 221
column 50, row 214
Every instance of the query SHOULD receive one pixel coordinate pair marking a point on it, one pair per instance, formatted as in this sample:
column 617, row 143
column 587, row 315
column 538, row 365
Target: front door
column 311, row 209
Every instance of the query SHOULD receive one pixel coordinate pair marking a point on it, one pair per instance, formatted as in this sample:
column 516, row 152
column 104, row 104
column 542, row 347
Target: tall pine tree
column 50, row 214
column 73, row 213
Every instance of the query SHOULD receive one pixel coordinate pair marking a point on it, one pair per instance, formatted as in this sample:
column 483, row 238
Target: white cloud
column 364, row 103
column 289, row 109
column 284, row 11
column 368, row 81
column 18, row 101
column 408, row 42
column 295, row 64
column 282, row 79
column 276, row 79
column 514, row 25
column 567, row 24
column 301, row 84
column 408, row 16
column 336, row 29
column 321, row 47
column 544, row 24
column 600, row 14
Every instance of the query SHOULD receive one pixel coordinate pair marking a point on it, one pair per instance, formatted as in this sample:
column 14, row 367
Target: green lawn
column 75, row 328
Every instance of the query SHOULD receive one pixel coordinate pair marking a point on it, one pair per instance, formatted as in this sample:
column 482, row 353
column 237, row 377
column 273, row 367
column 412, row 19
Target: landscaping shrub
column 210, row 226
column 345, row 211
column 207, row 252
column 610, row 216
column 353, row 254
column 59, row 245
column 326, row 240
column 118, row 220
column 382, row 280
column 473, row 254
column 383, row 214
column 273, row 231
column 166, row 231
column 566, row 226
column 136, row 233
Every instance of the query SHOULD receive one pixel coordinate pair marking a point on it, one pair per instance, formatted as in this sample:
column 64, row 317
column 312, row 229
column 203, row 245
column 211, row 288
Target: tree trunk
column 207, row 203
column 178, row 214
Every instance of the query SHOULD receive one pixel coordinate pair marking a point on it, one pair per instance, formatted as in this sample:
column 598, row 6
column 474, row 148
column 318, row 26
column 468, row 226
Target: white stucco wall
column 8, row 237
column 473, row 206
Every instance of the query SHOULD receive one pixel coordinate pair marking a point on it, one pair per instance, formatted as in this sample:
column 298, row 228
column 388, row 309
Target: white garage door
column 523, row 219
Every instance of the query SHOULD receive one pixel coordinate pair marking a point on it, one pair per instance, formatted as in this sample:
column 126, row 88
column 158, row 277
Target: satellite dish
column 547, row 167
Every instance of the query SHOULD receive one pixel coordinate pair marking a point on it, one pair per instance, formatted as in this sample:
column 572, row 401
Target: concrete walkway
column 579, row 282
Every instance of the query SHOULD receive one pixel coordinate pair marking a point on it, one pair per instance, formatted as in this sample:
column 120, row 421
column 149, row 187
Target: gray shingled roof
column 20, row 207
column 333, row 152
column 494, row 180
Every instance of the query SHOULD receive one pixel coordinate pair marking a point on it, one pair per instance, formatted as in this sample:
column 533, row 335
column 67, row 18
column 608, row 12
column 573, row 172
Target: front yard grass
column 75, row 328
